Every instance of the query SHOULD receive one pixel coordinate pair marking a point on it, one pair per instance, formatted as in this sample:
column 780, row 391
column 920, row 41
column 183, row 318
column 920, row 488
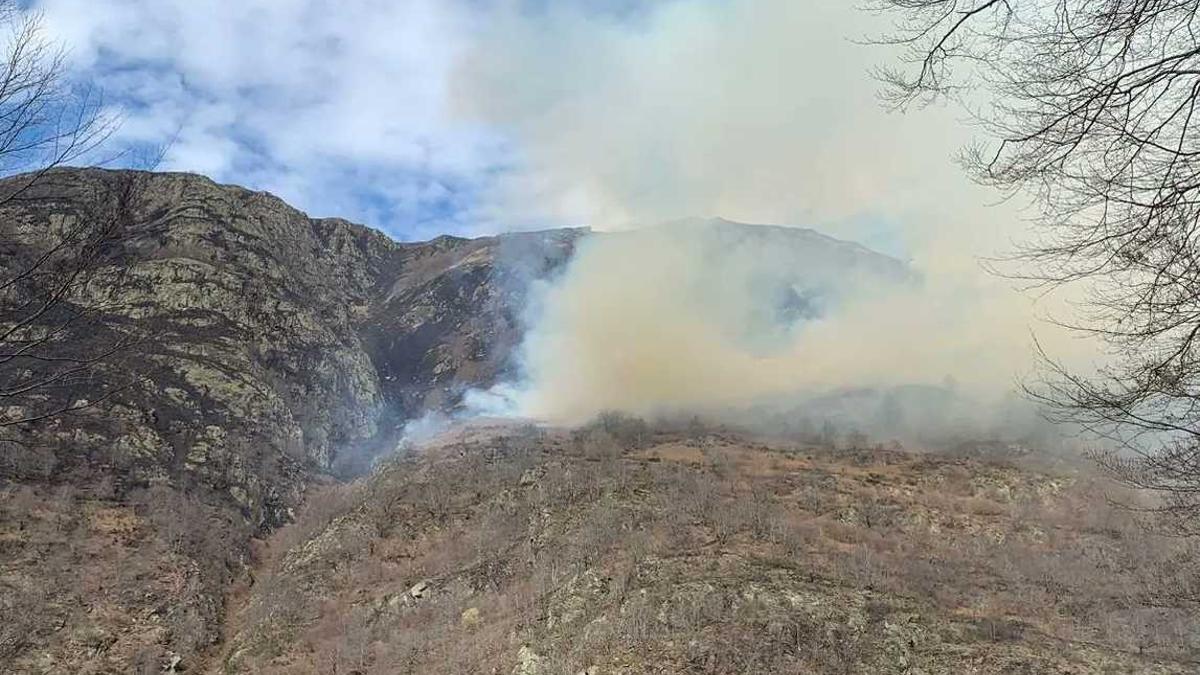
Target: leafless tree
column 57, row 326
column 59, row 312
column 1090, row 106
column 46, row 120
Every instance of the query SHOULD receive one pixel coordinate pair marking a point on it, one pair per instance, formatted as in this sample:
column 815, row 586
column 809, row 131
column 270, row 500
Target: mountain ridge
column 284, row 348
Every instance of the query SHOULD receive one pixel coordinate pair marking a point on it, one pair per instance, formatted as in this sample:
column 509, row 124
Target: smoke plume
column 708, row 317
column 757, row 111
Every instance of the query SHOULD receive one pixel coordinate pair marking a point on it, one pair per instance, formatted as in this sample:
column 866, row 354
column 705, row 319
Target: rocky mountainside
column 279, row 343
column 274, row 348
column 280, row 355
column 276, row 338
column 278, row 347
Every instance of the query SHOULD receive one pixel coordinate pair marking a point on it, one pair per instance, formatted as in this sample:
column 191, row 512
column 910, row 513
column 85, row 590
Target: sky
column 474, row 116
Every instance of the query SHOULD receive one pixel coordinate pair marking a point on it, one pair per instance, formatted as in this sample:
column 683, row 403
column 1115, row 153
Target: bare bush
column 629, row 431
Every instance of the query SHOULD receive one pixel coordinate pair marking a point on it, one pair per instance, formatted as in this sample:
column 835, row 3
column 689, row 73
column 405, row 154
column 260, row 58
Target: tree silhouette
column 1090, row 106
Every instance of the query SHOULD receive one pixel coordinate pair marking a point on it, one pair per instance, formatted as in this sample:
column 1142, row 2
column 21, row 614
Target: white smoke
column 704, row 317
column 757, row 111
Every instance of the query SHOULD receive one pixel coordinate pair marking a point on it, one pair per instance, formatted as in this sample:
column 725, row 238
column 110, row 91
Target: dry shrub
column 598, row 444
column 630, row 432
column 922, row 534
column 323, row 504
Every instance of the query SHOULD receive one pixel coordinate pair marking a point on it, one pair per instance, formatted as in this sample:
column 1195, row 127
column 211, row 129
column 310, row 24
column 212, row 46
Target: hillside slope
column 621, row 549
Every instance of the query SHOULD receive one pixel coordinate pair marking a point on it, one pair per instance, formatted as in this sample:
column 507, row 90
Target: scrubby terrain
column 623, row 549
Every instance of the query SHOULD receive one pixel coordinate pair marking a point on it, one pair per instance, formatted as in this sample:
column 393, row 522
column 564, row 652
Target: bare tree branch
column 62, row 327
column 1093, row 114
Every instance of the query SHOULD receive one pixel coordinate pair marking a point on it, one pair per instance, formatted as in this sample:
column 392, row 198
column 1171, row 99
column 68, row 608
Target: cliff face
column 277, row 342
column 276, row 348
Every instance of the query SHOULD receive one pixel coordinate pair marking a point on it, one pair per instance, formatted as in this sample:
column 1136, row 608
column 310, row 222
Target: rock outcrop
column 277, row 348
column 279, row 343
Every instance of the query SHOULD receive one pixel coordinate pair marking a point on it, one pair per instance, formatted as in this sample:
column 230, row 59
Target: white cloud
column 334, row 105
column 758, row 111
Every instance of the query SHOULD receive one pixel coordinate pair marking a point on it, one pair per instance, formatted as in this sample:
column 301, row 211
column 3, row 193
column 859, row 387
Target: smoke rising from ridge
column 759, row 112
column 708, row 317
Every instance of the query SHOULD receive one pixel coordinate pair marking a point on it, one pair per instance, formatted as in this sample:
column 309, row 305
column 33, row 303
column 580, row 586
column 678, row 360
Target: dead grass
column 682, row 549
